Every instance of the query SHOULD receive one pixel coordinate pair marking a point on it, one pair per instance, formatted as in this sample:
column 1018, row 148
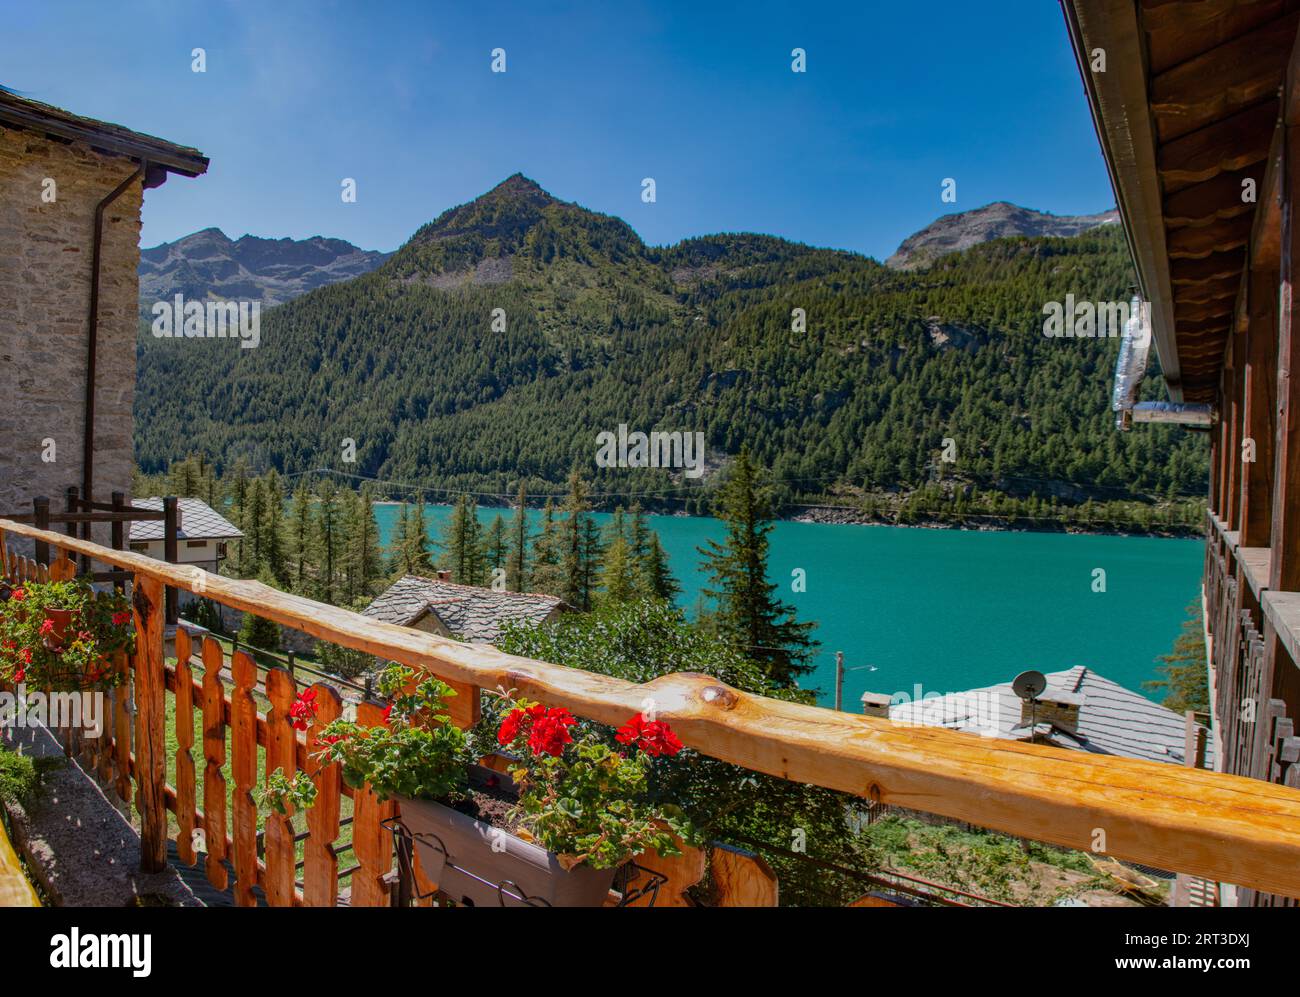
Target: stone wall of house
column 45, row 263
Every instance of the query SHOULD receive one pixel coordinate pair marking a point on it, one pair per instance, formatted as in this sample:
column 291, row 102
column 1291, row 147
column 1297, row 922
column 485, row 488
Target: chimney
column 444, row 575
column 876, row 704
column 1061, row 709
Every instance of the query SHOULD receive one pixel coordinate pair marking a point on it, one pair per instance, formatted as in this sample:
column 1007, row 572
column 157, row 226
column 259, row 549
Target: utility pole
column 839, row 680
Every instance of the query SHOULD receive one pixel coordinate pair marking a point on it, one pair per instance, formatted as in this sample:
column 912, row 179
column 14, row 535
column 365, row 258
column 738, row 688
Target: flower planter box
column 480, row 865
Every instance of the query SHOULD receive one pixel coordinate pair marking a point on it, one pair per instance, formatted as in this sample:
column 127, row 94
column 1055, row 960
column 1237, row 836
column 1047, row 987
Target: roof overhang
column 1121, row 115
column 165, row 157
column 1186, row 111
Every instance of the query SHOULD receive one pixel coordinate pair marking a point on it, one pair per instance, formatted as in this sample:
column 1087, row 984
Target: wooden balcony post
column 41, row 520
column 118, row 534
column 171, row 526
column 150, row 716
column 1260, row 402
column 70, row 506
column 1285, row 573
column 1232, row 434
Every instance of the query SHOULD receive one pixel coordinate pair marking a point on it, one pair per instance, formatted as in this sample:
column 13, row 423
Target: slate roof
column 198, row 521
column 470, row 612
column 1113, row 720
column 18, row 111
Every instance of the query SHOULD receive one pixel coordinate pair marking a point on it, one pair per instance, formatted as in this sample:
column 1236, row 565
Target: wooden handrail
column 1221, row 827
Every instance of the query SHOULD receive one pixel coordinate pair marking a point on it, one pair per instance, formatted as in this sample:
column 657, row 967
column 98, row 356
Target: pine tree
column 185, row 477
column 1185, row 679
column 254, row 527
column 460, row 543
column 495, row 551
column 574, row 587
column 517, row 568
column 592, row 554
column 749, row 615
column 239, row 499
column 259, row 632
column 546, row 575
column 330, row 540
column 301, row 536
column 273, row 552
column 655, row 579
column 618, row 569
column 638, row 536
column 417, row 538
column 362, row 562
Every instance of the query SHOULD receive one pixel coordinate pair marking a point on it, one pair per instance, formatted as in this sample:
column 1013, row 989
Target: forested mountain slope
column 600, row 329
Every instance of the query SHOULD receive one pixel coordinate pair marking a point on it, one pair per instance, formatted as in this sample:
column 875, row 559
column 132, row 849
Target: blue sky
column 596, row 96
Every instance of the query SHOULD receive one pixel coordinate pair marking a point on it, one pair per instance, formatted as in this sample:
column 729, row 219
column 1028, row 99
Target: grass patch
column 983, row 862
column 20, row 776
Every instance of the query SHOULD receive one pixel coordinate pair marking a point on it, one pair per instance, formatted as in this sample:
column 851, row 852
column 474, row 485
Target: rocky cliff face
column 267, row 270
column 953, row 233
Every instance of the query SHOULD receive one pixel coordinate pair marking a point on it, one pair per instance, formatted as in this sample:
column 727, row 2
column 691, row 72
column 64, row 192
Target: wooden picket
column 320, row 886
column 371, row 843
column 281, row 755
column 122, row 729
column 243, row 722
column 185, row 790
column 214, row 754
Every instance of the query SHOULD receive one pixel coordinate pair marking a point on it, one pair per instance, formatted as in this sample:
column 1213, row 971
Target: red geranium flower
column 19, row 675
column 547, row 730
column 303, row 709
column 122, row 617
column 550, row 733
column 47, row 627
column 26, row 654
column 518, row 720
column 654, row 737
column 18, row 595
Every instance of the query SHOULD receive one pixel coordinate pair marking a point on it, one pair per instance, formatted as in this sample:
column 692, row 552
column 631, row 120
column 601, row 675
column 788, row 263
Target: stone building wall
column 45, row 262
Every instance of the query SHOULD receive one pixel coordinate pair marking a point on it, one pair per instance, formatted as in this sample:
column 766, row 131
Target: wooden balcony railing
column 1221, row 827
column 1256, row 694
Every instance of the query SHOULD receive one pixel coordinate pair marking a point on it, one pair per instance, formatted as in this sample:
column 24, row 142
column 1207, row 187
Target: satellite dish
column 1029, row 685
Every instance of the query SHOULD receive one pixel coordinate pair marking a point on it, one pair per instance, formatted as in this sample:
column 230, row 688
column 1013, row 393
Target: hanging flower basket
column 62, row 635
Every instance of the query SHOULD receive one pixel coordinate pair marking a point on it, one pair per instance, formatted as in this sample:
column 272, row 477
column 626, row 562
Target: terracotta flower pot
column 479, row 865
column 59, row 620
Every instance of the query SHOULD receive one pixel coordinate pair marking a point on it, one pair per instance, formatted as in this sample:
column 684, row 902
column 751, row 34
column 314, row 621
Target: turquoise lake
column 951, row 609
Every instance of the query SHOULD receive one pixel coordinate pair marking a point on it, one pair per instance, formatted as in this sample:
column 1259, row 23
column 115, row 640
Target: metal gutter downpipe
column 88, row 436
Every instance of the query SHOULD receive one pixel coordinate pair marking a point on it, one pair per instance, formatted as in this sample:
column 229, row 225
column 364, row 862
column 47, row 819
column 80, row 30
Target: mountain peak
column 999, row 220
column 518, row 185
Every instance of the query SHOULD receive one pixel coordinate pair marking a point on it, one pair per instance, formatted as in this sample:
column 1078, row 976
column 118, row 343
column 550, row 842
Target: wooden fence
column 1220, row 827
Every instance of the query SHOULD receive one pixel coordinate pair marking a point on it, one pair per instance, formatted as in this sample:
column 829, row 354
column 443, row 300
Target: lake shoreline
column 834, row 515
column 976, row 523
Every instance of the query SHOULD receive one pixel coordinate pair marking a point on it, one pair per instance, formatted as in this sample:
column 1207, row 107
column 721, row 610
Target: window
column 196, row 543
column 140, row 547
